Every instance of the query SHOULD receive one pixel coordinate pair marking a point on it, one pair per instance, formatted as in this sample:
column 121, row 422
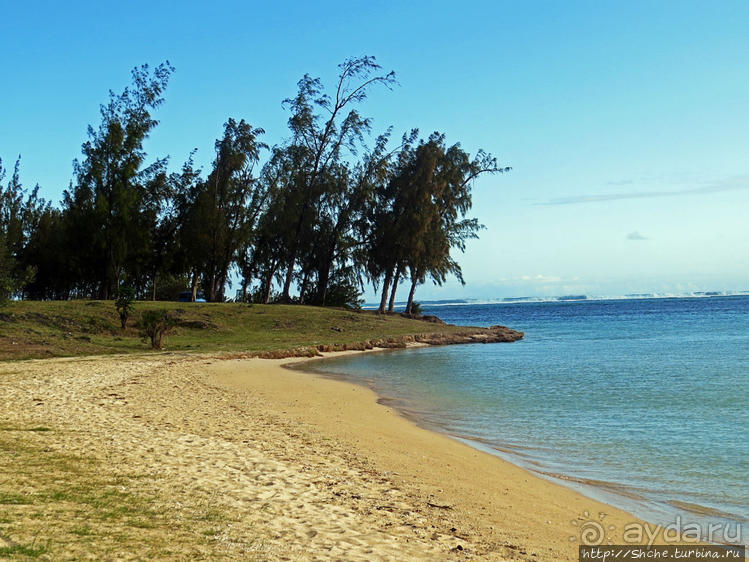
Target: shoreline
column 616, row 495
column 554, row 490
column 245, row 457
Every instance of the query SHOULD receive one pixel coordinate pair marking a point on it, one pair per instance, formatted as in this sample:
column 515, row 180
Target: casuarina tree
column 112, row 178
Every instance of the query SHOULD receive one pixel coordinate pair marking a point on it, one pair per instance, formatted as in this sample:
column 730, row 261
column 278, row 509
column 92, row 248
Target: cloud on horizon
column 539, row 278
column 636, row 236
column 730, row 184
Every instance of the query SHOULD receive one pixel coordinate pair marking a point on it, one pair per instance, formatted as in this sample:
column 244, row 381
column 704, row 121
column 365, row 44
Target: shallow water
column 642, row 402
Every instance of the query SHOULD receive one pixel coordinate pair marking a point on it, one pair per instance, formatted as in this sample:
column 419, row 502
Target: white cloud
column 537, row 278
column 729, row 184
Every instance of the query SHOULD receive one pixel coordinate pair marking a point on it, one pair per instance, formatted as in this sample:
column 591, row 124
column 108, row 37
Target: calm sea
column 643, row 403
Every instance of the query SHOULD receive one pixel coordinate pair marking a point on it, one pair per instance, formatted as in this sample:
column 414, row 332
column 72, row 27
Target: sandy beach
column 246, row 459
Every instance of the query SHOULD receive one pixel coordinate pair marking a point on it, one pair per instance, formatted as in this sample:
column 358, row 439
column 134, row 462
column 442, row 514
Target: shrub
column 155, row 324
column 344, row 293
column 124, row 304
column 170, row 286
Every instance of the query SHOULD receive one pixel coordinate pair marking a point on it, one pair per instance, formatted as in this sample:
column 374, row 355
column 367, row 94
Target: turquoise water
column 643, row 403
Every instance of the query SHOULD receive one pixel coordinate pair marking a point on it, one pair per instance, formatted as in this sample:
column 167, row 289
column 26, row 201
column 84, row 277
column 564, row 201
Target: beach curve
column 291, row 465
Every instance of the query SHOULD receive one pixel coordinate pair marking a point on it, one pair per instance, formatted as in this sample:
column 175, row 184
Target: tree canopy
column 311, row 220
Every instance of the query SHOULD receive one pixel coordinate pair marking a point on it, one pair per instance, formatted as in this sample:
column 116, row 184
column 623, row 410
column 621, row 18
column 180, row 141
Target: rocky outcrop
column 493, row 334
column 423, row 317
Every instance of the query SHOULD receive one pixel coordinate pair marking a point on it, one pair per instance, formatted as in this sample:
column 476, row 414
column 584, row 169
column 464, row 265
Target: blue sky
column 626, row 123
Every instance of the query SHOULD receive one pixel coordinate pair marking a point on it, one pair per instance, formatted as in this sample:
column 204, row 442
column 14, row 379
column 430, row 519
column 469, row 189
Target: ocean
column 641, row 403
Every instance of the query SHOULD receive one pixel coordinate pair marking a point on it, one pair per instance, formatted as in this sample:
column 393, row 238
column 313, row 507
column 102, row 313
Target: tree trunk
column 323, row 275
column 222, row 277
column 303, row 288
column 391, row 304
column 269, row 284
column 194, row 288
column 153, row 293
column 221, row 287
column 385, row 290
column 409, row 306
column 285, row 296
column 212, row 288
column 324, row 271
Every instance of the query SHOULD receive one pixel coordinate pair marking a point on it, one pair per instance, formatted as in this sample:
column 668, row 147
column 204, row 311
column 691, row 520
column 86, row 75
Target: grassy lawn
column 61, row 506
column 69, row 328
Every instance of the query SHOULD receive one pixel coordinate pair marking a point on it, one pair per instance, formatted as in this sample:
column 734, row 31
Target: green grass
column 73, row 506
column 30, row 329
column 8, row 498
column 82, row 531
column 20, row 550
